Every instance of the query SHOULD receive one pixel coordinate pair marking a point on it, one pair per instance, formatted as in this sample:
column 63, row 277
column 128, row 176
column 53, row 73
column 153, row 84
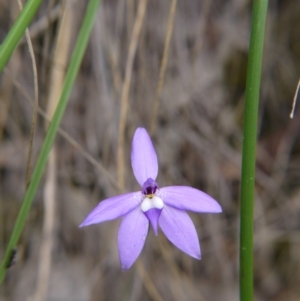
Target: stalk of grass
column 249, row 148
column 75, row 62
column 15, row 34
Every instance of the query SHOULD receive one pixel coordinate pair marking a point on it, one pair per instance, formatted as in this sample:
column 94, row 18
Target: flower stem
column 75, row 62
column 249, row 148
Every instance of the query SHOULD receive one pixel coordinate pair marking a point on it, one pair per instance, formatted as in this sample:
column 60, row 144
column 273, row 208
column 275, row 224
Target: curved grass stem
column 17, row 31
column 75, row 62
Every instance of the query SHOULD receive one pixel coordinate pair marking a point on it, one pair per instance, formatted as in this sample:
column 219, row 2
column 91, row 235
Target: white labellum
column 153, row 202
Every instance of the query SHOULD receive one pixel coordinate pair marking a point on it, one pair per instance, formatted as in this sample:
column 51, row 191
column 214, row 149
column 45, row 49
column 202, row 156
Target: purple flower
column 159, row 206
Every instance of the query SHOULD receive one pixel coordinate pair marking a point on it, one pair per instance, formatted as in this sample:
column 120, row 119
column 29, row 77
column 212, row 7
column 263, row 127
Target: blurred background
column 186, row 81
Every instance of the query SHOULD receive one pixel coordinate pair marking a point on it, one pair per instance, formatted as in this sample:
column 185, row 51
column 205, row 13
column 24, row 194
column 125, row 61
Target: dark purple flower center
column 149, row 187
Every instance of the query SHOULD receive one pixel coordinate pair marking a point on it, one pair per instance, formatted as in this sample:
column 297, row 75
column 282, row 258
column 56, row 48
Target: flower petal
column 143, row 157
column 113, row 208
column 180, row 230
column 153, row 216
column 188, row 198
column 131, row 238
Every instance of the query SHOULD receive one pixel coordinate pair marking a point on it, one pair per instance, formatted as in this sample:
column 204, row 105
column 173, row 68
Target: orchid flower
column 164, row 207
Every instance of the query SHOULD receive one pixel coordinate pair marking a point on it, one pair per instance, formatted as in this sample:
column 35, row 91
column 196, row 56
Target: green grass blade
column 249, row 148
column 15, row 34
column 75, row 62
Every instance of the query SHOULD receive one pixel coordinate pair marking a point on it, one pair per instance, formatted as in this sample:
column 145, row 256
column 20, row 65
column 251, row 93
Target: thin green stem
column 75, row 62
column 249, row 148
column 15, row 34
